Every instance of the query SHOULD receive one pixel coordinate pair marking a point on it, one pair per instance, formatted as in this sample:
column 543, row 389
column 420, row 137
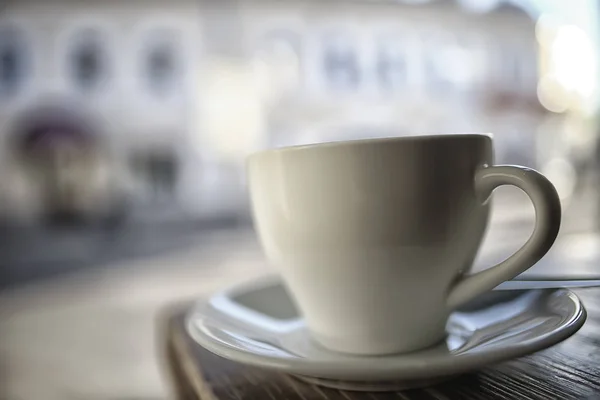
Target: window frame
column 352, row 40
column 100, row 52
column 102, row 34
column 16, row 36
column 149, row 43
column 384, row 42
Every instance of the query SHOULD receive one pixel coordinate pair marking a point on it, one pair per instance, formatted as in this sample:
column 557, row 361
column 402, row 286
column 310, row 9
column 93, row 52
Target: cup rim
column 354, row 142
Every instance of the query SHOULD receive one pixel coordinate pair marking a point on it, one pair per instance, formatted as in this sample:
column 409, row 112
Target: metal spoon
column 547, row 284
column 513, row 289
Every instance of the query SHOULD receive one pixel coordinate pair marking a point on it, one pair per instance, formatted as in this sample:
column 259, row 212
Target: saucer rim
column 379, row 371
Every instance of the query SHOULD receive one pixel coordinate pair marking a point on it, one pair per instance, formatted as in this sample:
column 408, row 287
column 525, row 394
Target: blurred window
column 278, row 61
column 160, row 62
column 391, row 63
column 527, row 67
column 159, row 171
column 435, row 60
column 454, row 63
column 510, row 64
column 87, row 60
column 341, row 62
column 12, row 61
column 518, row 68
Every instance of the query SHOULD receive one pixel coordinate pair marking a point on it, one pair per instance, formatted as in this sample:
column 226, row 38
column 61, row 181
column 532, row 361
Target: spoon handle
column 547, row 284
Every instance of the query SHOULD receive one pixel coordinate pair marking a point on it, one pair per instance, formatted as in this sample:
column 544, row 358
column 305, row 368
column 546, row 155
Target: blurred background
column 124, row 126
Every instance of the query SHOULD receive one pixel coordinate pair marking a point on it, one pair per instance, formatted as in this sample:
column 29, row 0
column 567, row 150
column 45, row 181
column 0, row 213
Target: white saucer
column 257, row 324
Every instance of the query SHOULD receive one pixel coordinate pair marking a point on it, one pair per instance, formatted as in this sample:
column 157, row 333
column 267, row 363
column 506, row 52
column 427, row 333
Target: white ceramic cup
column 375, row 238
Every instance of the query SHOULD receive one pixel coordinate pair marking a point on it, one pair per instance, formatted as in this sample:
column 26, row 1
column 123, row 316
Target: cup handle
column 547, row 207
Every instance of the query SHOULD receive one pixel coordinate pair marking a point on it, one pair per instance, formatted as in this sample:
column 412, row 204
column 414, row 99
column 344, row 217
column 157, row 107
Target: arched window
column 341, row 64
column 391, row 62
column 161, row 66
column 88, row 64
column 13, row 62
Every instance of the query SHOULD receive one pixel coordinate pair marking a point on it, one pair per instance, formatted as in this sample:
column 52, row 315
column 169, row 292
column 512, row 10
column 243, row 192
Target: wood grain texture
column 569, row 370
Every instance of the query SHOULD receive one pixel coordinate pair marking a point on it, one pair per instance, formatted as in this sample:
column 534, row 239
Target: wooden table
column 570, row 370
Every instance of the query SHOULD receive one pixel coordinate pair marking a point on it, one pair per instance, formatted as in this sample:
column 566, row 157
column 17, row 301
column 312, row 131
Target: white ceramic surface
column 258, row 324
column 362, row 231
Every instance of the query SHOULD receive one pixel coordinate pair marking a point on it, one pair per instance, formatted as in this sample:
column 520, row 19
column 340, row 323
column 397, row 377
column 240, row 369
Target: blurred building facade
column 149, row 107
column 121, row 74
